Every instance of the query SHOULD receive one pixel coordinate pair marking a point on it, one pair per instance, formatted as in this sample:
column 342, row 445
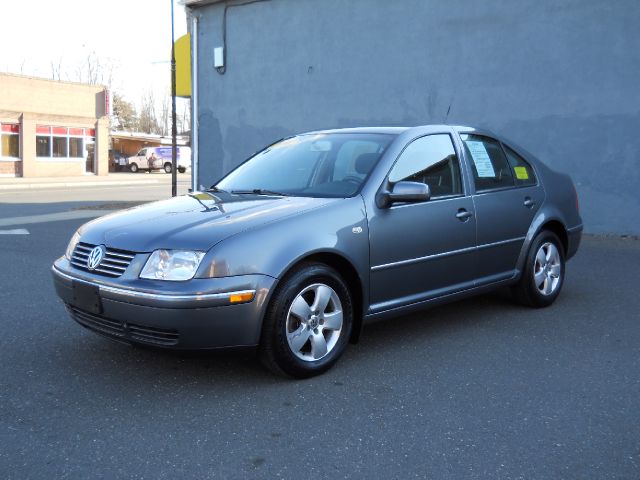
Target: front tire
column 133, row 167
column 544, row 271
column 167, row 168
column 308, row 322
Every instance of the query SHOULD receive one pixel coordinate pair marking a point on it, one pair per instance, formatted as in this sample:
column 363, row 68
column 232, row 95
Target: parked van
column 159, row 158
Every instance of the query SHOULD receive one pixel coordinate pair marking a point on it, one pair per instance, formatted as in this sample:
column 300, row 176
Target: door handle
column 463, row 215
column 528, row 202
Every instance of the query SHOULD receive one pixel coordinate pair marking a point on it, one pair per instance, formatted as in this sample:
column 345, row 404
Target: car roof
column 426, row 129
column 399, row 130
column 387, row 130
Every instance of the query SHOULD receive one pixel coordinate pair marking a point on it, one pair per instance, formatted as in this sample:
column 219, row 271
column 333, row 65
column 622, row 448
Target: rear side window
column 521, row 168
column 431, row 160
column 491, row 169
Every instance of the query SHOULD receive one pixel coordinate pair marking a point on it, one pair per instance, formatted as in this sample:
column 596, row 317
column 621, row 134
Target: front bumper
column 182, row 315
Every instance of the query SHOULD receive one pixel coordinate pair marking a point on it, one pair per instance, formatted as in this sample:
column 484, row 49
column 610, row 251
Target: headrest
column 366, row 161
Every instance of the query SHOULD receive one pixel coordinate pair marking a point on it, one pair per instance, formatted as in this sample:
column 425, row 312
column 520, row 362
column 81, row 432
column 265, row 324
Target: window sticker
column 481, row 159
column 521, row 173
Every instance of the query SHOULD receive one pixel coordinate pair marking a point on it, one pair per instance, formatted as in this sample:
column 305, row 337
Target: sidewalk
column 8, row 183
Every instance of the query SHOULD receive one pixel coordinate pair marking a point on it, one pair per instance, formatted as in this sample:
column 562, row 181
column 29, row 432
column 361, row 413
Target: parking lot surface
column 478, row 389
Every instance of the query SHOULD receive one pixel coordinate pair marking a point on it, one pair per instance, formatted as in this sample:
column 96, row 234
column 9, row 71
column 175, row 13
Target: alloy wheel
column 547, row 269
column 314, row 322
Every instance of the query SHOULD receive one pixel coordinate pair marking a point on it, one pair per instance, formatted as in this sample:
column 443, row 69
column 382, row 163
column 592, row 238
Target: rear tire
column 167, row 168
column 308, row 322
column 133, row 167
column 543, row 274
column 182, row 169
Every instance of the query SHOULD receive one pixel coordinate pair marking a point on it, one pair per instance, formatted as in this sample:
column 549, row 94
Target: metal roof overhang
column 143, row 137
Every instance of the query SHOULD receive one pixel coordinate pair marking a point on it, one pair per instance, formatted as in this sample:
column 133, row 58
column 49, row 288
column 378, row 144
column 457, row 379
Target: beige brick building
column 51, row 128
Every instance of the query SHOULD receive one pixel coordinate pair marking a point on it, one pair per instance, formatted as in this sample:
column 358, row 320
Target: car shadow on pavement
column 225, row 367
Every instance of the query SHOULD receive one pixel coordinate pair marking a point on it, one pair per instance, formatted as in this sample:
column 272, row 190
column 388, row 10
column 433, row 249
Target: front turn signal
column 243, row 297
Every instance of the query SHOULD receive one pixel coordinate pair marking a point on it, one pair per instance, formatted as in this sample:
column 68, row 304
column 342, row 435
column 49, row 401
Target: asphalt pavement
column 480, row 389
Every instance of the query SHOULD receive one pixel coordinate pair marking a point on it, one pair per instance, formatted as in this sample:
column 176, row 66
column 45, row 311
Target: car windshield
column 312, row 165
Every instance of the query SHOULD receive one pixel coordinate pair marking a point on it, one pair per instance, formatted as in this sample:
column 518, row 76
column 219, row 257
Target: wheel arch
column 551, row 223
column 349, row 274
column 558, row 228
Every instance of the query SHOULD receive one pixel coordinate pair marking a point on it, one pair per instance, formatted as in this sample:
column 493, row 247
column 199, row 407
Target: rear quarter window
column 524, row 174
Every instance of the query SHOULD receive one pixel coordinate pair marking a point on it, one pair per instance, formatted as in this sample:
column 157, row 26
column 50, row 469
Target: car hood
column 195, row 221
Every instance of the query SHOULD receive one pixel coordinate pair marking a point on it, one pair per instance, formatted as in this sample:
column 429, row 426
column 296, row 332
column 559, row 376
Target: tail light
column 577, row 201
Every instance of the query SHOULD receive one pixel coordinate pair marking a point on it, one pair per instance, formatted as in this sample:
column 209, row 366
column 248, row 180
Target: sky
column 133, row 36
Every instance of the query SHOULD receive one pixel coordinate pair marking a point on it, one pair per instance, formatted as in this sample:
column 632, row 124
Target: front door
column 427, row 249
column 141, row 159
column 90, row 156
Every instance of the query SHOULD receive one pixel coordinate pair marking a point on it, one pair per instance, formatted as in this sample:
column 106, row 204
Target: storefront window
column 60, row 147
column 10, row 141
column 43, row 146
column 63, row 142
column 75, row 147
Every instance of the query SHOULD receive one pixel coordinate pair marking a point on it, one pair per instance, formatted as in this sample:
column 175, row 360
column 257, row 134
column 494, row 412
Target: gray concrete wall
column 559, row 77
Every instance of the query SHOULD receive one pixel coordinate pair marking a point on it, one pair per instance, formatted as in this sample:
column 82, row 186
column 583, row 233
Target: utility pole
column 174, row 133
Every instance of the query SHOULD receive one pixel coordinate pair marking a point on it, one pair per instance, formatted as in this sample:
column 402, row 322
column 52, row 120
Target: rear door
column 506, row 199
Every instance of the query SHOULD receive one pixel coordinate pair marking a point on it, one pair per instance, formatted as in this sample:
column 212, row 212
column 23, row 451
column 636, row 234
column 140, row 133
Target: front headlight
column 172, row 265
column 72, row 245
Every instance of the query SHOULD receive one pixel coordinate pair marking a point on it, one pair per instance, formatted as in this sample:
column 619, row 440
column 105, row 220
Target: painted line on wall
column 17, row 231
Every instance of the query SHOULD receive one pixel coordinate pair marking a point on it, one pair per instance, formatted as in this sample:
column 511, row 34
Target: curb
column 28, row 186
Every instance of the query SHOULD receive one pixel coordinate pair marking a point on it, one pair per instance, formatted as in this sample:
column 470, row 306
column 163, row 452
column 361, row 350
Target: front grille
column 152, row 335
column 124, row 330
column 113, row 264
column 109, row 327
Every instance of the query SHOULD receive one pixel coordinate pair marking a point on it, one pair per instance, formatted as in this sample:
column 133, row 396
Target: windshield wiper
column 213, row 188
column 258, row 191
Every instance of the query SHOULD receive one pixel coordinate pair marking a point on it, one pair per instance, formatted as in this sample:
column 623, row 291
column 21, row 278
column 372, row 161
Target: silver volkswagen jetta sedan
column 317, row 234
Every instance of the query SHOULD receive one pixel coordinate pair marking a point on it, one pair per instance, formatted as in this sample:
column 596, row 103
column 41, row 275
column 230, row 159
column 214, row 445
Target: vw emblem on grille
column 95, row 257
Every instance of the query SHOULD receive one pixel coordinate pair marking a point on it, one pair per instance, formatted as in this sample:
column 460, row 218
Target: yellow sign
column 521, row 173
column 183, row 66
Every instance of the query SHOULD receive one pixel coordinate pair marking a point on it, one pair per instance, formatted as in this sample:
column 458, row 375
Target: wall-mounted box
column 218, row 57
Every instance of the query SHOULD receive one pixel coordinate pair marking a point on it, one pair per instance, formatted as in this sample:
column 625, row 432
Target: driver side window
column 430, row 160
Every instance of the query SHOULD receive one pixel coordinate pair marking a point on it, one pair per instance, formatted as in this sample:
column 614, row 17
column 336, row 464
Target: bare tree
column 95, row 71
column 184, row 119
column 56, row 69
column 165, row 114
column 148, row 121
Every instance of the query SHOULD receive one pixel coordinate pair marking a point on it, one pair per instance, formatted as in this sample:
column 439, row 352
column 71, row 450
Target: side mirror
column 403, row 192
